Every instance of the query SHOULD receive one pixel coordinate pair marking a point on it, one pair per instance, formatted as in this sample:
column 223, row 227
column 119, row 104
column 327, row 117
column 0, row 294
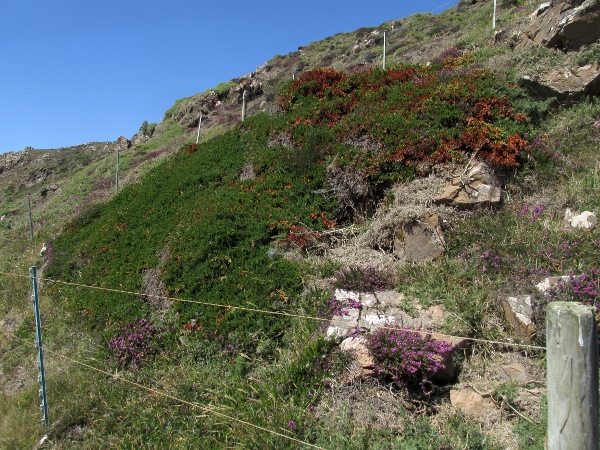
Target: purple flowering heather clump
column 452, row 52
column 584, row 288
column 135, row 343
column 332, row 307
column 364, row 279
column 407, row 356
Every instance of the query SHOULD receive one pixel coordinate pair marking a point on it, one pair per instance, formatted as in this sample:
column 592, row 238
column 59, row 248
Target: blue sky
column 76, row 71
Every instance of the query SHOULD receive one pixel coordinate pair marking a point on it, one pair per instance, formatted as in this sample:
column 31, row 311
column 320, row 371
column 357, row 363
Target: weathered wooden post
column 572, row 375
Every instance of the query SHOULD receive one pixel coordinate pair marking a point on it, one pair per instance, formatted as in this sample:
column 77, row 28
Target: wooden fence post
column 572, row 375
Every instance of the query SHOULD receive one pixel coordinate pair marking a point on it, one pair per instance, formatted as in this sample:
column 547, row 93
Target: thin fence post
column 199, row 125
column 572, row 376
column 117, row 173
column 39, row 345
column 30, row 221
column 244, row 106
column 384, row 42
column 494, row 17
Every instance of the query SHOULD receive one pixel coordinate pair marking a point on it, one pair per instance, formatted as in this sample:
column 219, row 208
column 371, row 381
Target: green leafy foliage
column 436, row 114
column 211, row 229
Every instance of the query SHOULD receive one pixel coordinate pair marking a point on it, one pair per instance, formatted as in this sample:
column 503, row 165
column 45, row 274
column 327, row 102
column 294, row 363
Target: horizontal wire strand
column 164, row 394
column 280, row 313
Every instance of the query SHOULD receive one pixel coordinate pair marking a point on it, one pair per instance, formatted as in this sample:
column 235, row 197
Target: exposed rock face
column 565, row 85
column 421, row 240
column 253, row 87
column 552, row 282
column 477, row 186
column 518, row 311
column 11, row 160
column 189, row 113
column 566, row 25
column 123, row 143
column 366, row 312
column 362, row 356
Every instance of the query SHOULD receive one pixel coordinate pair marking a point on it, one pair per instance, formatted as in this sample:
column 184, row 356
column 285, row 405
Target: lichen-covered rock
column 566, row 85
column 468, row 400
column 518, row 312
column 421, row 240
column 566, row 25
column 477, row 186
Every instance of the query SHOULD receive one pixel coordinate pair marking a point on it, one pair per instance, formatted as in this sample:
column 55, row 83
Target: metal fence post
column 117, row 173
column 39, row 345
column 199, row 125
column 244, row 106
column 384, row 45
column 572, row 375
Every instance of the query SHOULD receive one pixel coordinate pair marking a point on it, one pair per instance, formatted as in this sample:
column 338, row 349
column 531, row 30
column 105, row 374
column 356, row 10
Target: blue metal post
column 39, row 345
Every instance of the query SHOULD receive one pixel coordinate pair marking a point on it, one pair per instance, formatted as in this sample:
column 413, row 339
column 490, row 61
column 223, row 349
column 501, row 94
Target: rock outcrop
column 566, row 85
column 368, row 312
column 477, row 186
column 565, row 25
column 421, row 240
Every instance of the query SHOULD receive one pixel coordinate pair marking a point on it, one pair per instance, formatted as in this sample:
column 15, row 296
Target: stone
column 470, row 401
column 512, row 372
column 358, row 347
column 551, row 282
column 566, row 85
column 450, row 372
column 566, row 25
column 368, row 312
column 586, row 220
column 518, row 312
column 421, row 240
column 342, row 326
column 477, row 186
column 123, row 143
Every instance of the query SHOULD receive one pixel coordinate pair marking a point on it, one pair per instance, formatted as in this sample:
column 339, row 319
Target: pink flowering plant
column 583, row 288
column 407, row 356
column 364, row 279
column 136, row 343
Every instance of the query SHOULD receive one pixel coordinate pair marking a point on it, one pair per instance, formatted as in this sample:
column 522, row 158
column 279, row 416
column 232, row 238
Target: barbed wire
column 169, row 396
column 283, row 313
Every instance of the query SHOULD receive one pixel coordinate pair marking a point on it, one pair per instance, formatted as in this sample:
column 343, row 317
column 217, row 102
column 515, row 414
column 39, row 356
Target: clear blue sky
column 76, row 71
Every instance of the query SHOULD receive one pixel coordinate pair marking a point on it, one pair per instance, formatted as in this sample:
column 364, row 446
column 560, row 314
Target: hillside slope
column 188, row 309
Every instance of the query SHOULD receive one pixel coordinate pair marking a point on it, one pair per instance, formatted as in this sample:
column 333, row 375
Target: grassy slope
column 263, row 378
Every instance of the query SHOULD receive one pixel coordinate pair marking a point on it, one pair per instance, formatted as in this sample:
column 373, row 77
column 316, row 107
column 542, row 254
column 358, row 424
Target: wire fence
column 282, row 313
column 198, row 406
